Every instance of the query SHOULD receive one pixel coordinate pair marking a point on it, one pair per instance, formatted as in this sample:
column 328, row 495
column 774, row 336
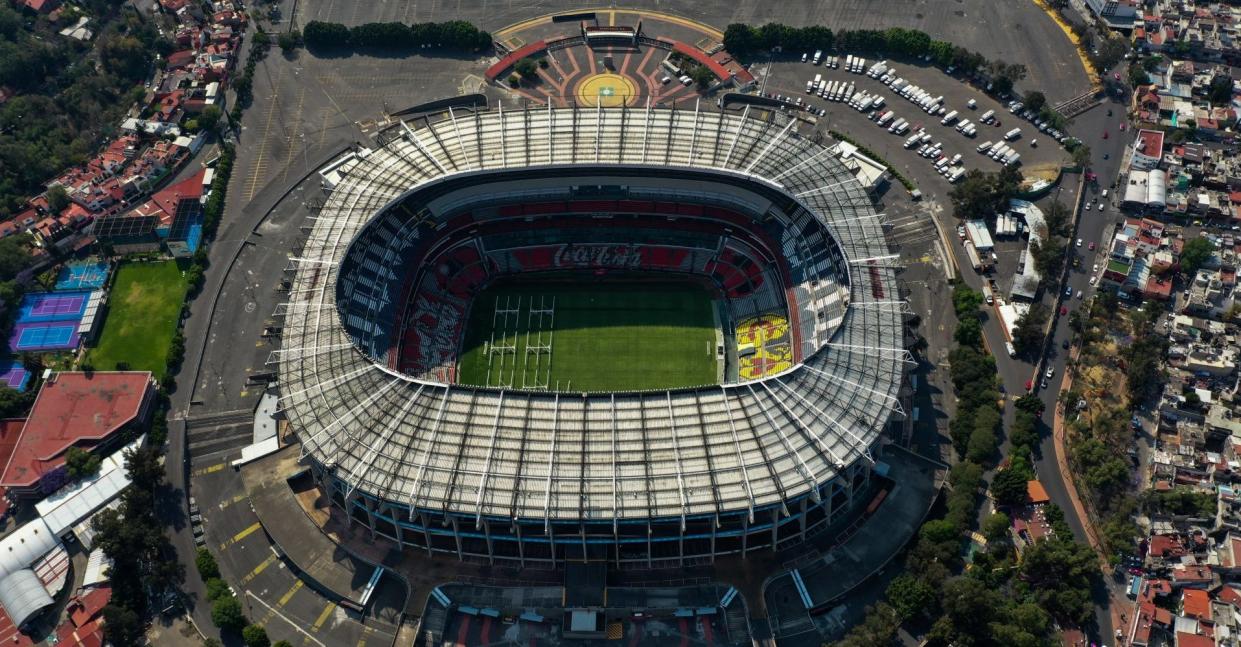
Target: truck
column 886, row 118
column 986, row 116
column 859, row 64
column 818, row 56
column 904, row 128
column 1012, row 134
column 956, row 159
column 987, row 294
column 879, row 101
column 949, row 118
column 962, row 125
column 809, row 87
column 956, row 175
column 970, row 131
column 971, row 104
column 849, row 63
column 912, row 141
column 984, row 147
column 1012, row 159
column 972, row 255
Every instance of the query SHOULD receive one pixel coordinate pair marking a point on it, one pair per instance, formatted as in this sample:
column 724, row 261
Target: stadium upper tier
column 413, row 447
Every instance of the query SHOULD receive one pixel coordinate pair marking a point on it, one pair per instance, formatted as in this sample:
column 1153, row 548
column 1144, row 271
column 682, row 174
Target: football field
column 590, row 336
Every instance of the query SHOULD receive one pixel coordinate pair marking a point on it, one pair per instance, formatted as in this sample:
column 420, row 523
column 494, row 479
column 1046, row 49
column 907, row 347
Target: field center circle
column 607, row 89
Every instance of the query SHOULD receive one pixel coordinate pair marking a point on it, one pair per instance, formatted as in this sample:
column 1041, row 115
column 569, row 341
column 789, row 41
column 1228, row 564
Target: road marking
column 233, row 501
column 323, row 616
column 259, row 165
column 258, row 569
column 241, row 535
column 366, row 631
column 208, row 470
column 293, row 134
column 288, row 595
column 308, row 638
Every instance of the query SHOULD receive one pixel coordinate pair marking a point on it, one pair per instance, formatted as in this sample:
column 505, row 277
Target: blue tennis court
column 44, row 336
column 52, row 306
column 14, row 375
column 82, row 276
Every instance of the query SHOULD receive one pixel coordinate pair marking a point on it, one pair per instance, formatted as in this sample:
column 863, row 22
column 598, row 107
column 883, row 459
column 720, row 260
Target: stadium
column 639, row 335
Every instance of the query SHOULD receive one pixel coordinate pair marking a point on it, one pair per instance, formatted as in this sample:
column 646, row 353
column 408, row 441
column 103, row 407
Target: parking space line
column 323, row 616
column 208, row 470
column 241, row 535
column 308, row 638
column 288, row 595
column 233, row 501
column 258, row 569
column 366, row 631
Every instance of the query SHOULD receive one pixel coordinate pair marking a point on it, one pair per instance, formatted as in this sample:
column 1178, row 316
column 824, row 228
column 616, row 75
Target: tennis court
column 52, row 306
column 82, row 276
column 56, row 335
column 14, row 375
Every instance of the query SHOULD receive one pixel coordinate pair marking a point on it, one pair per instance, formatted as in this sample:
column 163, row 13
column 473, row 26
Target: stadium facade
column 413, row 228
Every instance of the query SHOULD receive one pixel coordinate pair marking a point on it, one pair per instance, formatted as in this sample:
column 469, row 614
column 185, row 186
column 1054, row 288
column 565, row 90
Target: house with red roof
column 1196, row 603
column 90, row 411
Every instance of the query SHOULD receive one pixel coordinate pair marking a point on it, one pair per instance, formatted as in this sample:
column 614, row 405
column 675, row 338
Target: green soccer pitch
column 590, row 335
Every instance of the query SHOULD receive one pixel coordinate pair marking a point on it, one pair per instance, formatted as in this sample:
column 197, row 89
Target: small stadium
column 644, row 337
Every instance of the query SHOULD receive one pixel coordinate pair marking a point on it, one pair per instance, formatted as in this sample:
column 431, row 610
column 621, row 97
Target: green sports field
column 142, row 317
column 603, row 336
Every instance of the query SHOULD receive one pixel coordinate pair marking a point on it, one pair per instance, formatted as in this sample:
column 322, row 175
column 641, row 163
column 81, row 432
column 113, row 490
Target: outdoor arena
column 637, row 335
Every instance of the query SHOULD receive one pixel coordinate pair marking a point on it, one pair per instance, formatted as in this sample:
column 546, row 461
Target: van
column 878, row 102
column 971, row 104
column 849, row 63
column 986, row 116
column 1012, row 134
column 1008, row 346
column 685, row 80
column 809, row 87
column 984, row 147
column 949, row 118
column 818, row 56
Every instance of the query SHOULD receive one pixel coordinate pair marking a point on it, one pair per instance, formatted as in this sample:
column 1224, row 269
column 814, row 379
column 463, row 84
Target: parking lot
column 788, row 78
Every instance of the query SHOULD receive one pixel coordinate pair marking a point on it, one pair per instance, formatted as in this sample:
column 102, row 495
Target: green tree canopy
column 1195, row 254
column 1009, row 487
column 226, row 613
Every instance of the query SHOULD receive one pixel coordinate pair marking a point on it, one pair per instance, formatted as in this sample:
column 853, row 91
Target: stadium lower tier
column 654, row 543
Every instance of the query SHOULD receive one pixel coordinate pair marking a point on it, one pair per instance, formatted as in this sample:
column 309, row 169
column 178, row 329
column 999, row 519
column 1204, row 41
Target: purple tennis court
column 54, row 335
column 52, row 306
column 14, row 375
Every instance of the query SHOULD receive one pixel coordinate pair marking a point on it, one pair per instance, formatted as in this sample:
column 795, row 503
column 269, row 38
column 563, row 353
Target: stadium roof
column 73, row 409
column 524, row 454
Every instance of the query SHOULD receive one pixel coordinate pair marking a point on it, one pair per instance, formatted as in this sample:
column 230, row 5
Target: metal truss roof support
column 551, row 465
column 491, row 450
column 416, row 485
column 550, row 119
column 417, row 142
column 615, row 485
column 802, row 467
column 771, row 144
column 836, row 460
column 676, row 455
column 301, row 352
column 286, row 400
column 457, row 129
column 902, row 353
column 503, row 140
column 832, row 376
column 350, row 415
column 737, row 135
column 866, row 262
column 693, row 132
column 598, row 129
column 745, row 473
column 860, row 444
column 646, row 129
column 898, row 305
column 380, row 439
column 799, row 165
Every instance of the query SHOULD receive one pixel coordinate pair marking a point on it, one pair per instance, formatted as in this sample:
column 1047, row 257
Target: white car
column 1088, row 206
column 1092, row 280
column 1051, row 370
column 1079, row 242
column 1095, row 270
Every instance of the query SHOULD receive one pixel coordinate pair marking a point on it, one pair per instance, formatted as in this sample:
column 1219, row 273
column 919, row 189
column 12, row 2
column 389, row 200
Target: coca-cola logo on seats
column 624, row 256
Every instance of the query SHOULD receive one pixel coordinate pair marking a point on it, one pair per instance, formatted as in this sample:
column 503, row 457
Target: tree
column 966, row 301
column 527, row 68
column 57, row 199
column 289, row 40
column 325, row 35
column 282, row 643
column 217, row 589
column 14, row 256
column 255, row 636
column 1009, row 487
column 1059, row 572
column 983, row 442
column 968, row 332
column 1034, row 100
column 995, row 527
column 910, row 597
column 121, row 626
column 206, row 564
column 80, row 463
column 1138, row 76
column 1220, row 92
column 209, row 118
column 1195, row 254
column 702, row 76
column 1028, row 336
column 878, row 628
column 1081, row 155
column 227, row 615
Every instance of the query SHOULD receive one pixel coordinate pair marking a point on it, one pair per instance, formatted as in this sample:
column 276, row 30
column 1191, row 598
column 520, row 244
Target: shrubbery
column 455, row 35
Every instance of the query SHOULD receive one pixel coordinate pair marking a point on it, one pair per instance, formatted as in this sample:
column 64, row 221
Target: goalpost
column 542, row 321
column 504, row 319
